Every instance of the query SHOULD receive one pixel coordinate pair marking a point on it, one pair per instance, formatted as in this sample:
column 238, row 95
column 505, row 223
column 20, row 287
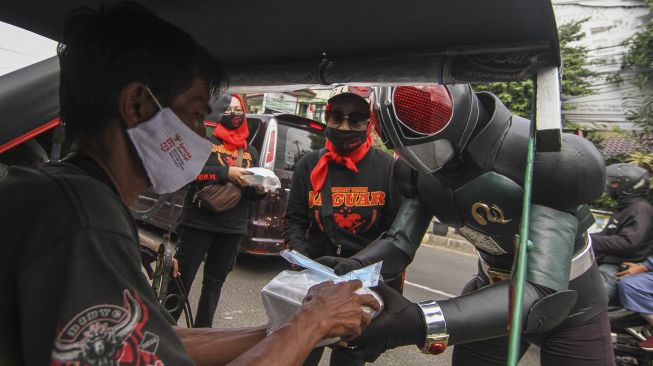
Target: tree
column 639, row 60
column 575, row 74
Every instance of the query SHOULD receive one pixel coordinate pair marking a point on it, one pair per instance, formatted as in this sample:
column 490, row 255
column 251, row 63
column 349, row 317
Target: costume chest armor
column 486, row 210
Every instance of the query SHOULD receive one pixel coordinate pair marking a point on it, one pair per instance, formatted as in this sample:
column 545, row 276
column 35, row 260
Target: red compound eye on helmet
column 425, row 110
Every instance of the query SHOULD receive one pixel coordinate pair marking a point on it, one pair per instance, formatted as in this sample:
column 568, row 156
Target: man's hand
column 338, row 309
column 237, row 175
column 175, row 268
column 401, row 323
column 633, row 269
column 341, row 265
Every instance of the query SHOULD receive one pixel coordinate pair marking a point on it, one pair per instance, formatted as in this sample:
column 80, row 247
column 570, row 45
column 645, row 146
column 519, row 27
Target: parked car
column 281, row 140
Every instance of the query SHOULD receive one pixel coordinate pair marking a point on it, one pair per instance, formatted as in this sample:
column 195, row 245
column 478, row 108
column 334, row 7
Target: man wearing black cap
column 134, row 90
column 343, row 196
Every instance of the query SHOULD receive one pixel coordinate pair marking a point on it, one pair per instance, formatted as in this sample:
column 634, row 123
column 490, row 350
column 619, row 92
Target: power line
column 593, row 100
column 17, row 52
column 605, row 47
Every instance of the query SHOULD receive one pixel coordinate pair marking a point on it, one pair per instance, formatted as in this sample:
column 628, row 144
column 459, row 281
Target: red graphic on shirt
column 228, row 157
column 356, row 206
column 347, row 220
column 108, row 334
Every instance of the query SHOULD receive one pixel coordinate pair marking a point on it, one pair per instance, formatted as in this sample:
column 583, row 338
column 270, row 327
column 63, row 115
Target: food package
column 262, row 177
column 285, row 293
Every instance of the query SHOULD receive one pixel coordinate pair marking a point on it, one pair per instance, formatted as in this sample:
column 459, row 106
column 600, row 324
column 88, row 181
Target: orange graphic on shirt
column 343, row 200
column 349, row 197
column 231, row 156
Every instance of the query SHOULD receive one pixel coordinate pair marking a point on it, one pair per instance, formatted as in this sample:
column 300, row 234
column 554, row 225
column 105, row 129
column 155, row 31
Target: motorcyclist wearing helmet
column 628, row 236
column 468, row 151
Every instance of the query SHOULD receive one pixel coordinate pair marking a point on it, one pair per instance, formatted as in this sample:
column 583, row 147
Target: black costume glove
column 341, row 265
column 394, row 259
column 400, row 323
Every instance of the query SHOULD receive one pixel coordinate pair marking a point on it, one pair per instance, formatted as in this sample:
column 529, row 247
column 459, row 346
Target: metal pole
column 546, row 123
column 519, row 277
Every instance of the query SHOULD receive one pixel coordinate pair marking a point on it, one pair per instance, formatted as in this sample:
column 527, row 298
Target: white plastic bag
column 285, row 293
column 262, row 177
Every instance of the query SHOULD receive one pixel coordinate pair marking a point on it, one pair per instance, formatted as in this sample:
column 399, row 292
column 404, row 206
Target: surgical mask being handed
column 172, row 154
column 345, row 141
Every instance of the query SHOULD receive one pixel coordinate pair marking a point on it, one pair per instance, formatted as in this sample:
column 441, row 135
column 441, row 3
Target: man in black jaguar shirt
column 134, row 91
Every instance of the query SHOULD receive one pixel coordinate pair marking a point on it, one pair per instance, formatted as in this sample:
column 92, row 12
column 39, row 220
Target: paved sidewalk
column 451, row 241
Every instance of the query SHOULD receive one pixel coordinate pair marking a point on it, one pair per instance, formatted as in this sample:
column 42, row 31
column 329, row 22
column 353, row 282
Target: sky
column 20, row 48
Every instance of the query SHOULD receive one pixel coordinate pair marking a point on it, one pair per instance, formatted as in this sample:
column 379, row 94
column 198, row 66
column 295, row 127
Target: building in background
column 609, row 24
column 308, row 103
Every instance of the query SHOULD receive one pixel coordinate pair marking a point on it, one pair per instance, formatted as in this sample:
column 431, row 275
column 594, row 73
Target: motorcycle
column 628, row 329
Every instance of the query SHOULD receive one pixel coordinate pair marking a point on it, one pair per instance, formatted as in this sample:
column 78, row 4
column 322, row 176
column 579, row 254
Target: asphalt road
column 435, row 274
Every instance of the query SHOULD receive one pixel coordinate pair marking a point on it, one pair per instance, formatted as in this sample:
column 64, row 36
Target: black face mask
column 232, row 121
column 345, row 141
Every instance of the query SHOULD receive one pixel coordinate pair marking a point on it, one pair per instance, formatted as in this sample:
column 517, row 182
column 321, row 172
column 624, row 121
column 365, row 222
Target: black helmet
column 626, row 180
column 426, row 125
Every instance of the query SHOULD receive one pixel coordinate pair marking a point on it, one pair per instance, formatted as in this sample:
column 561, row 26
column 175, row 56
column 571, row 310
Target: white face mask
column 172, row 154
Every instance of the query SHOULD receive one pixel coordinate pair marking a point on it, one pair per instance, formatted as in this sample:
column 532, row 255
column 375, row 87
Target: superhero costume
column 469, row 173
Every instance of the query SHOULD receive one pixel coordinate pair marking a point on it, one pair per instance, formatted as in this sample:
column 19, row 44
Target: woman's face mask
column 232, row 121
column 172, row 154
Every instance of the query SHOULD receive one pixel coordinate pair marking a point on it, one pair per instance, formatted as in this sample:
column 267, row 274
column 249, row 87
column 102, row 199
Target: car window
column 293, row 143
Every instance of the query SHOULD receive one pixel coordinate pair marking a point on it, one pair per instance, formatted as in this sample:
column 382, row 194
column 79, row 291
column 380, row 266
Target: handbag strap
column 239, row 159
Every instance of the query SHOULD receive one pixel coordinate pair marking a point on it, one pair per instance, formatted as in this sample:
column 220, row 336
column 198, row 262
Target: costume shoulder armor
column 571, row 177
column 565, row 179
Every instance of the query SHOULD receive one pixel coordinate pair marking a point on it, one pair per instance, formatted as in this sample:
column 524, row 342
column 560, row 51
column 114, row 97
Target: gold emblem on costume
column 492, row 214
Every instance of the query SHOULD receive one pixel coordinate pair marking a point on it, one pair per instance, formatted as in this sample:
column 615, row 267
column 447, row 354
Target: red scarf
column 319, row 173
column 234, row 139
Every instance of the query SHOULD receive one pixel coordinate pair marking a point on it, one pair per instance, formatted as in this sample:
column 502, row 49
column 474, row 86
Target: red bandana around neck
column 234, row 139
column 319, row 173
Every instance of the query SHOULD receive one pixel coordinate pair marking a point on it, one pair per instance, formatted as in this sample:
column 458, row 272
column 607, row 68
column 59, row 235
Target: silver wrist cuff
column 437, row 337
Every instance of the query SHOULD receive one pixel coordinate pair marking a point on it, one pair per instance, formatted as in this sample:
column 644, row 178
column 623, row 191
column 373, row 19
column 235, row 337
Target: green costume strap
column 553, row 234
column 409, row 226
column 585, row 220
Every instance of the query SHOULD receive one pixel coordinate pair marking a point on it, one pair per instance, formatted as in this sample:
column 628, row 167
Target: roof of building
column 620, row 145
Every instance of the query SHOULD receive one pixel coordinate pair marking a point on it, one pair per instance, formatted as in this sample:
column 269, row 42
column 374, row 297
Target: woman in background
column 216, row 235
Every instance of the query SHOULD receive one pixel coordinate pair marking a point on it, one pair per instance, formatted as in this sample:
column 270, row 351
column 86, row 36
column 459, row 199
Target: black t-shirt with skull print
column 73, row 292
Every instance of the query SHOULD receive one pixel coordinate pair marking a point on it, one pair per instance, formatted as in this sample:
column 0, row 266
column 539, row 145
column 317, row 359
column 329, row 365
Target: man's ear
column 135, row 105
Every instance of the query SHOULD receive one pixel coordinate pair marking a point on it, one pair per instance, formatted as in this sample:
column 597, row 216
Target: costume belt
column 580, row 263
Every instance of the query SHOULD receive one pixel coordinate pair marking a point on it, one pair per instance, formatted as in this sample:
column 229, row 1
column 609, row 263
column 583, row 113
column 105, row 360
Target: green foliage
column 604, row 203
column 575, row 65
column 640, row 112
column 641, row 158
column 575, row 74
column 376, row 142
column 598, row 136
column 639, row 59
column 517, row 96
